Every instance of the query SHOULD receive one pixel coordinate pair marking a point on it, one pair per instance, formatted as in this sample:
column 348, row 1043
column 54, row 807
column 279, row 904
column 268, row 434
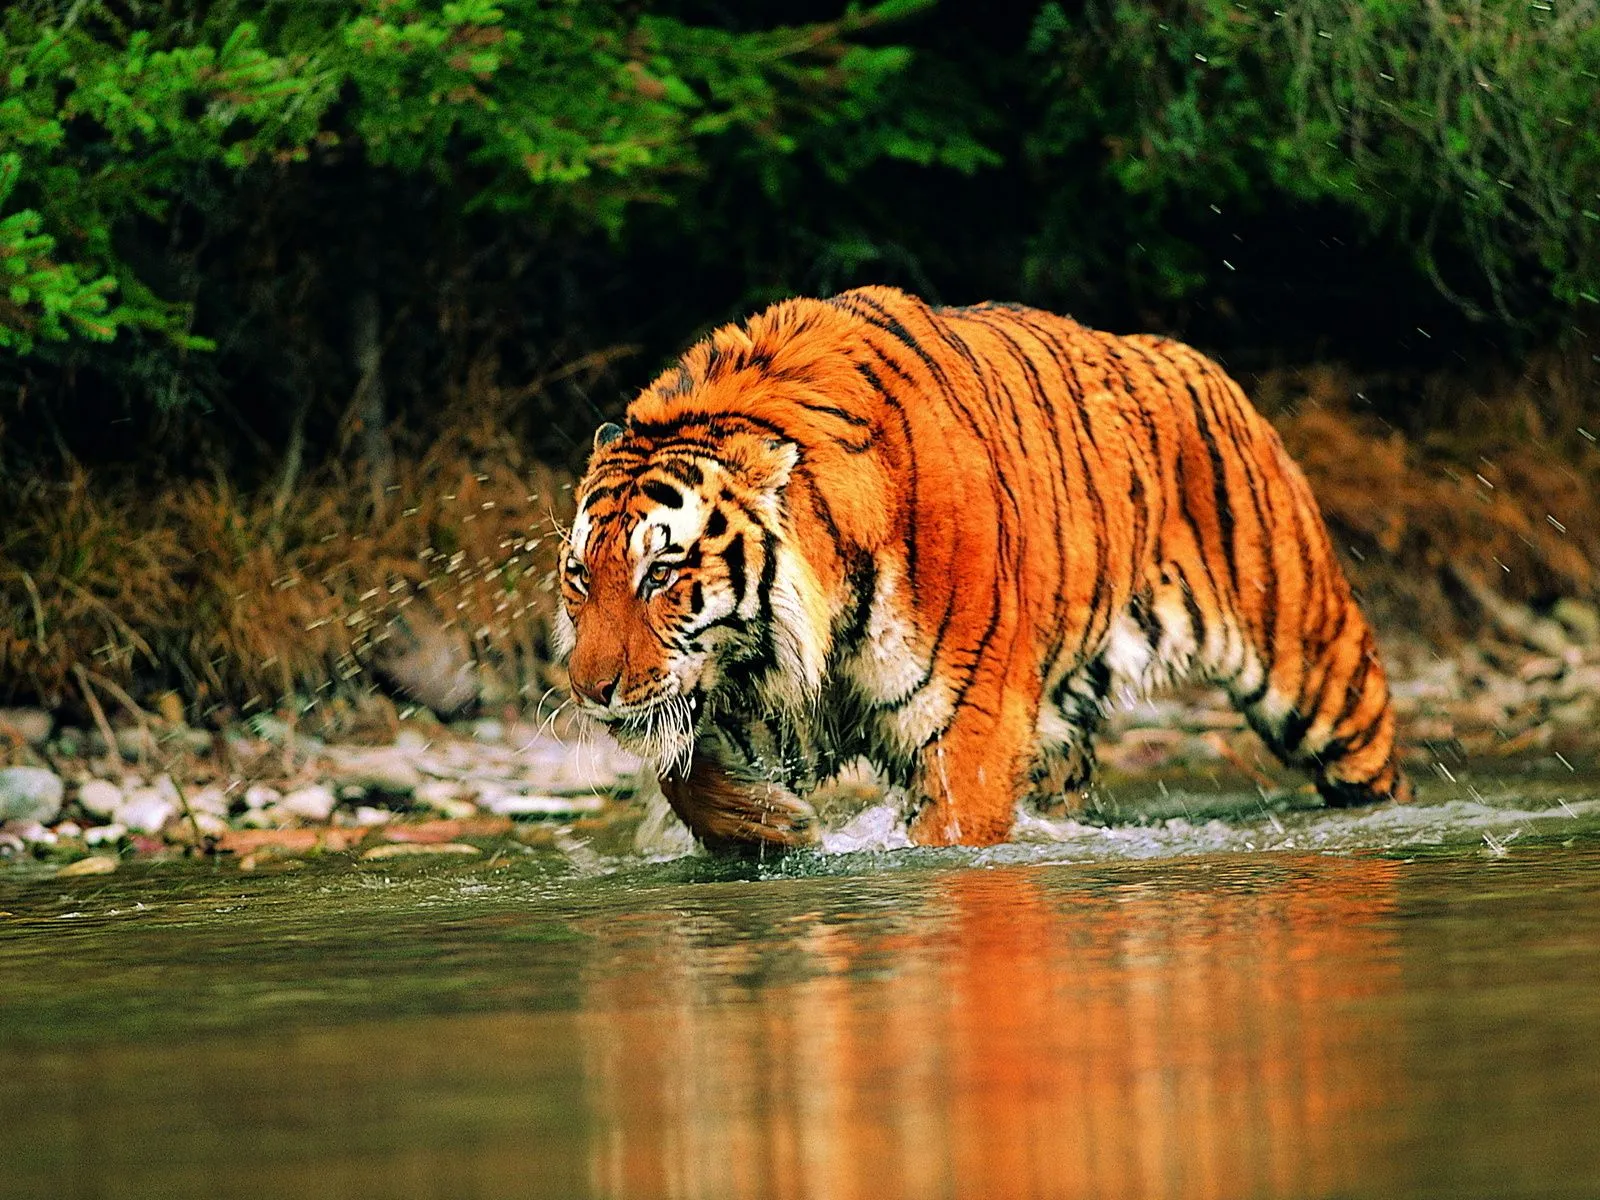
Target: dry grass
column 1504, row 487
column 201, row 590
column 197, row 588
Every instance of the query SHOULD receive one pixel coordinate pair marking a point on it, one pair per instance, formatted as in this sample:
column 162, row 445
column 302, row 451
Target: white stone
column 212, row 800
column 314, row 803
column 33, row 833
column 135, row 743
column 99, row 798
column 210, row 824
column 436, row 793
column 259, row 796
column 32, row 725
column 146, row 810
column 102, row 835
column 386, row 769
column 512, row 804
column 30, row 794
column 568, row 768
column 414, row 849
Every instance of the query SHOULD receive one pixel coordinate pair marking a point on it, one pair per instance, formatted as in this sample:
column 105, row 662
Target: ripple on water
column 1174, row 825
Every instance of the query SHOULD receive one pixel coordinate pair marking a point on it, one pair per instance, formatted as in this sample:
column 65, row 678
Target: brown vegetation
column 210, row 602
column 239, row 601
column 1499, row 485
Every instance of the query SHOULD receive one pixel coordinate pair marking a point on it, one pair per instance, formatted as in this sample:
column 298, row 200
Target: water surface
column 1394, row 1004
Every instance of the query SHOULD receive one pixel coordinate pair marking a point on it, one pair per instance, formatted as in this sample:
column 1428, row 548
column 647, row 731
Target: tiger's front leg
column 729, row 813
column 968, row 778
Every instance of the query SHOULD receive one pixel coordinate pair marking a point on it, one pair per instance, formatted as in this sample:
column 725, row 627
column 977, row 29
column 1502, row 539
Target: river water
column 1401, row 1003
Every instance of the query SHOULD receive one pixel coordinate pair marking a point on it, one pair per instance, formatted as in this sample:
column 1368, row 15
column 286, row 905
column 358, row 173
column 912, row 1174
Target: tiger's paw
column 1390, row 786
column 734, row 815
column 1058, row 783
column 938, row 824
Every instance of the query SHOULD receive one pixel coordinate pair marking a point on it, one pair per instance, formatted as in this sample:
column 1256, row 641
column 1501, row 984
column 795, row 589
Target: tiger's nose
column 599, row 689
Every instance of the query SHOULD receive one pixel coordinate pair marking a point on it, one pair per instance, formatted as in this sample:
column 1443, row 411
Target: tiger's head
column 679, row 585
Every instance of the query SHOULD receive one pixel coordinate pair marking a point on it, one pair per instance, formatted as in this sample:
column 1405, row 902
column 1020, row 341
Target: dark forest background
column 306, row 309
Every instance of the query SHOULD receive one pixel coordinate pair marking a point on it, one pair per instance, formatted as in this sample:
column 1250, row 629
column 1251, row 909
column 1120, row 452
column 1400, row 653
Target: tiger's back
column 996, row 522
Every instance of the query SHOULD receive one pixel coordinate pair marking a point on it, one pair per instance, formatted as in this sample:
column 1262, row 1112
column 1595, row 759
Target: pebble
column 388, row 770
column 437, row 793
column 315, row 803
column 100, row 797
column 406, row 849
column 32, row 725
column 259, row 796
column 564, row 768
column 146, row 810
column 30, row 794
column 515, row 805
column 135, row 743
column 100, row 835
column 456, row 810
column 212, row 800
column 95, row 864
column 211, row 825
column 33, row 833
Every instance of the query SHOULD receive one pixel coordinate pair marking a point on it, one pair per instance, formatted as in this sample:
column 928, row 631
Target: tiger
column 944, row 540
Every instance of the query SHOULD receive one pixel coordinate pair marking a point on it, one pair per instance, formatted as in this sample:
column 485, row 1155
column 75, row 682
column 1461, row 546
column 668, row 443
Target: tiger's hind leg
column 1063, row 763
column 1059, row 778
column 1337, row 722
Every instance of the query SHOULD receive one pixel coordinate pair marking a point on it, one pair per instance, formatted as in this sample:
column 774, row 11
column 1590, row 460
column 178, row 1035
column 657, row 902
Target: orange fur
column 973, row 526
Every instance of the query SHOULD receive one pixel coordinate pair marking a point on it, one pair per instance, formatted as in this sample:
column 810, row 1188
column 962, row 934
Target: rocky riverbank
column 260, row 794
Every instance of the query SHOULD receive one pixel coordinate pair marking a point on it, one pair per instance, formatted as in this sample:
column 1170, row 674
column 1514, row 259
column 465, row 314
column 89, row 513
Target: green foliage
column 192, row 194
column 102, row 125
column 554, row 106
column 1448, row 129
column 42, row 297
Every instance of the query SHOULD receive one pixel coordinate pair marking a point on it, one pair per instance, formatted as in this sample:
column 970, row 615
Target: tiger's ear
column 761, row 463
column 607, row 434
